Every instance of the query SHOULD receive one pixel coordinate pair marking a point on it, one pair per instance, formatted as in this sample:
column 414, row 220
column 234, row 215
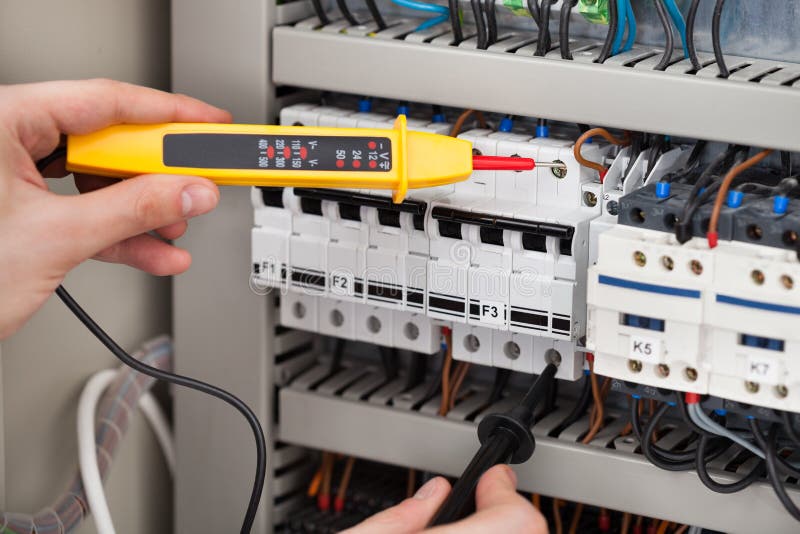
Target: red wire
column 502, row 163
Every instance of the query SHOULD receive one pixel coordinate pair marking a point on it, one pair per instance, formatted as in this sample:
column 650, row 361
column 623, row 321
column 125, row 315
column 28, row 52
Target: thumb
column 410, row 515
column 97, row 220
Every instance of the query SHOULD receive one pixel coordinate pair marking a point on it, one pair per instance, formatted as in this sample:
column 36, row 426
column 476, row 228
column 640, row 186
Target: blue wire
column 677, row 19
column 631, row 26
column 430, row 23
column 621, row 18
column 444, row 13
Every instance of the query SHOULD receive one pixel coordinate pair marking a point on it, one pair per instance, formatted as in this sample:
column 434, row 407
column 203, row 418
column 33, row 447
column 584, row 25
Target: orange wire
column 576, row 518
column 662, row 527
column 448, row 361
column 316, row 481
column 459, row 124
column 345, row 481
column 460, row 375
column 605, row 134
column 559, row 527
column 723, row 193
column 536, row 499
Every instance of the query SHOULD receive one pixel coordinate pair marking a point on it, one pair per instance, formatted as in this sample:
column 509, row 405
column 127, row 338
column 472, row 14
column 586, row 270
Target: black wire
column 501, row 377
column 659, row 456
column 702, row 472
column 770, row 451
column 669, row 45
column 605, row 52
column 336, row 358
column 655, row 152
column 788, row 428
column 543, row 41
column 127, row 359
column 166, row 376
column 583, row 128
column 376, row 14
column 715, row 39
column 786, row 163
column 320, row 11
column 417, row 366
column 691, row 16
column 389, row 361
column 563, row 28
column 491, row 22
column 578, row 410
column 480, row 24
column 783, row 463
column 346, row 13
column 637, row 145
column 455, row 21
column 533, row 8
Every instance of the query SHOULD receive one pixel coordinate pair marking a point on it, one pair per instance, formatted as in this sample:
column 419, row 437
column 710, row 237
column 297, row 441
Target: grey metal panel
column 602, row 477
column 676, row 104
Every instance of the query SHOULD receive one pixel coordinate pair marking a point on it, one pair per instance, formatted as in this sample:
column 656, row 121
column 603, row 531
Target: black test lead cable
column 716, row 20
column 166, row 376
column 505, row 438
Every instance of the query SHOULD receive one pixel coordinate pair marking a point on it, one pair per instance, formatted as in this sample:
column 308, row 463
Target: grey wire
column 695, row 530
column 706, row 423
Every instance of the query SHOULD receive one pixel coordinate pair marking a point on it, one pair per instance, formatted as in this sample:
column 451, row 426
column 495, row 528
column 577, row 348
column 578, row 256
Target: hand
column 43, row 235
column 499, row 509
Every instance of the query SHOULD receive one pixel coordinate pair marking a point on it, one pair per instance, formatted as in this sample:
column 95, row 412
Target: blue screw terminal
column 402, row 109
column 663, row 189
column 780, row 205
column 365, row 105
column 439, row 118
column 506, row 124
column 543, row 131
column 735, row 199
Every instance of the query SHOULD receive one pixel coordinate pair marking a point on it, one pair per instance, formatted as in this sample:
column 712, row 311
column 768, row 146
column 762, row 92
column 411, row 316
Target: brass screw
column 757, row 276
column 787, row 281
column 639, row 258
column 751, row 387
column 696, row 267
column 690, row 373
column 590, row 199
column 667, row 262
column 781, row 391
column 560, row 171
column 635, row 366
column 662, row 370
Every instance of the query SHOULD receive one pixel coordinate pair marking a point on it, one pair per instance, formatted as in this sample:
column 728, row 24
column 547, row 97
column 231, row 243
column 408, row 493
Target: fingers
column 149, row 254
column 42, row 111
column 86, row 183
column 96, row 221
column 499, row 508
column 410, row 515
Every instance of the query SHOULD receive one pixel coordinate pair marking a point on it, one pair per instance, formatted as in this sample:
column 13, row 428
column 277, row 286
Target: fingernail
column 427, row 489
column 197, row 200
column 511, row 475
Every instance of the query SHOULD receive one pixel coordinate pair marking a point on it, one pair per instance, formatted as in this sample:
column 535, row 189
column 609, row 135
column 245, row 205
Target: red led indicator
column 303, row 152
column 356, row 164
column 373, row 164
column 340, row 163
column 372, row 145
column 287, row 152
column 270, row 152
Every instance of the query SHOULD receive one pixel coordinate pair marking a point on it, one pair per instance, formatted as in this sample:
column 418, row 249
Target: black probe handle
column 461, row 501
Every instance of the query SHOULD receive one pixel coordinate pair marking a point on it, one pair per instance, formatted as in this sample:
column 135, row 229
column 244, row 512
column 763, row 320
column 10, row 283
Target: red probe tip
column 502, row 163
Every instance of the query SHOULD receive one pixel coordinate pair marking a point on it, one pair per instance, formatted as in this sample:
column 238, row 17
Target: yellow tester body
column 278, row 156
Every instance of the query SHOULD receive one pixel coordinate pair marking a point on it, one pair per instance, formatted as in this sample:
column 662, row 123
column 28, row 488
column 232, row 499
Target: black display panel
column 278, row 152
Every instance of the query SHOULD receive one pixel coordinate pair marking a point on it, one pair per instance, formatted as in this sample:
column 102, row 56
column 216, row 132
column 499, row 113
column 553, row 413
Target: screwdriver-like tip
column 552, row 165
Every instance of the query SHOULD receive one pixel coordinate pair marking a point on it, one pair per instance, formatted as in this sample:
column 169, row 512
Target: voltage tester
column 286, row 156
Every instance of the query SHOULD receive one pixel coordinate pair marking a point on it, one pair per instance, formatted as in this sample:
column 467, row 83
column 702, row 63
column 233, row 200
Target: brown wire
column 576, row 518
column 448, row 362
column 605, row 134
column 460, row 375
column 626, row 523
column 599, row 416
column 726, row 184
column 682, row 529
column 459, row 124
column 557, row 524
column 662, row 527
column 327, row 472
column 411, row 485
column 536, row 499
column 346, row 475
